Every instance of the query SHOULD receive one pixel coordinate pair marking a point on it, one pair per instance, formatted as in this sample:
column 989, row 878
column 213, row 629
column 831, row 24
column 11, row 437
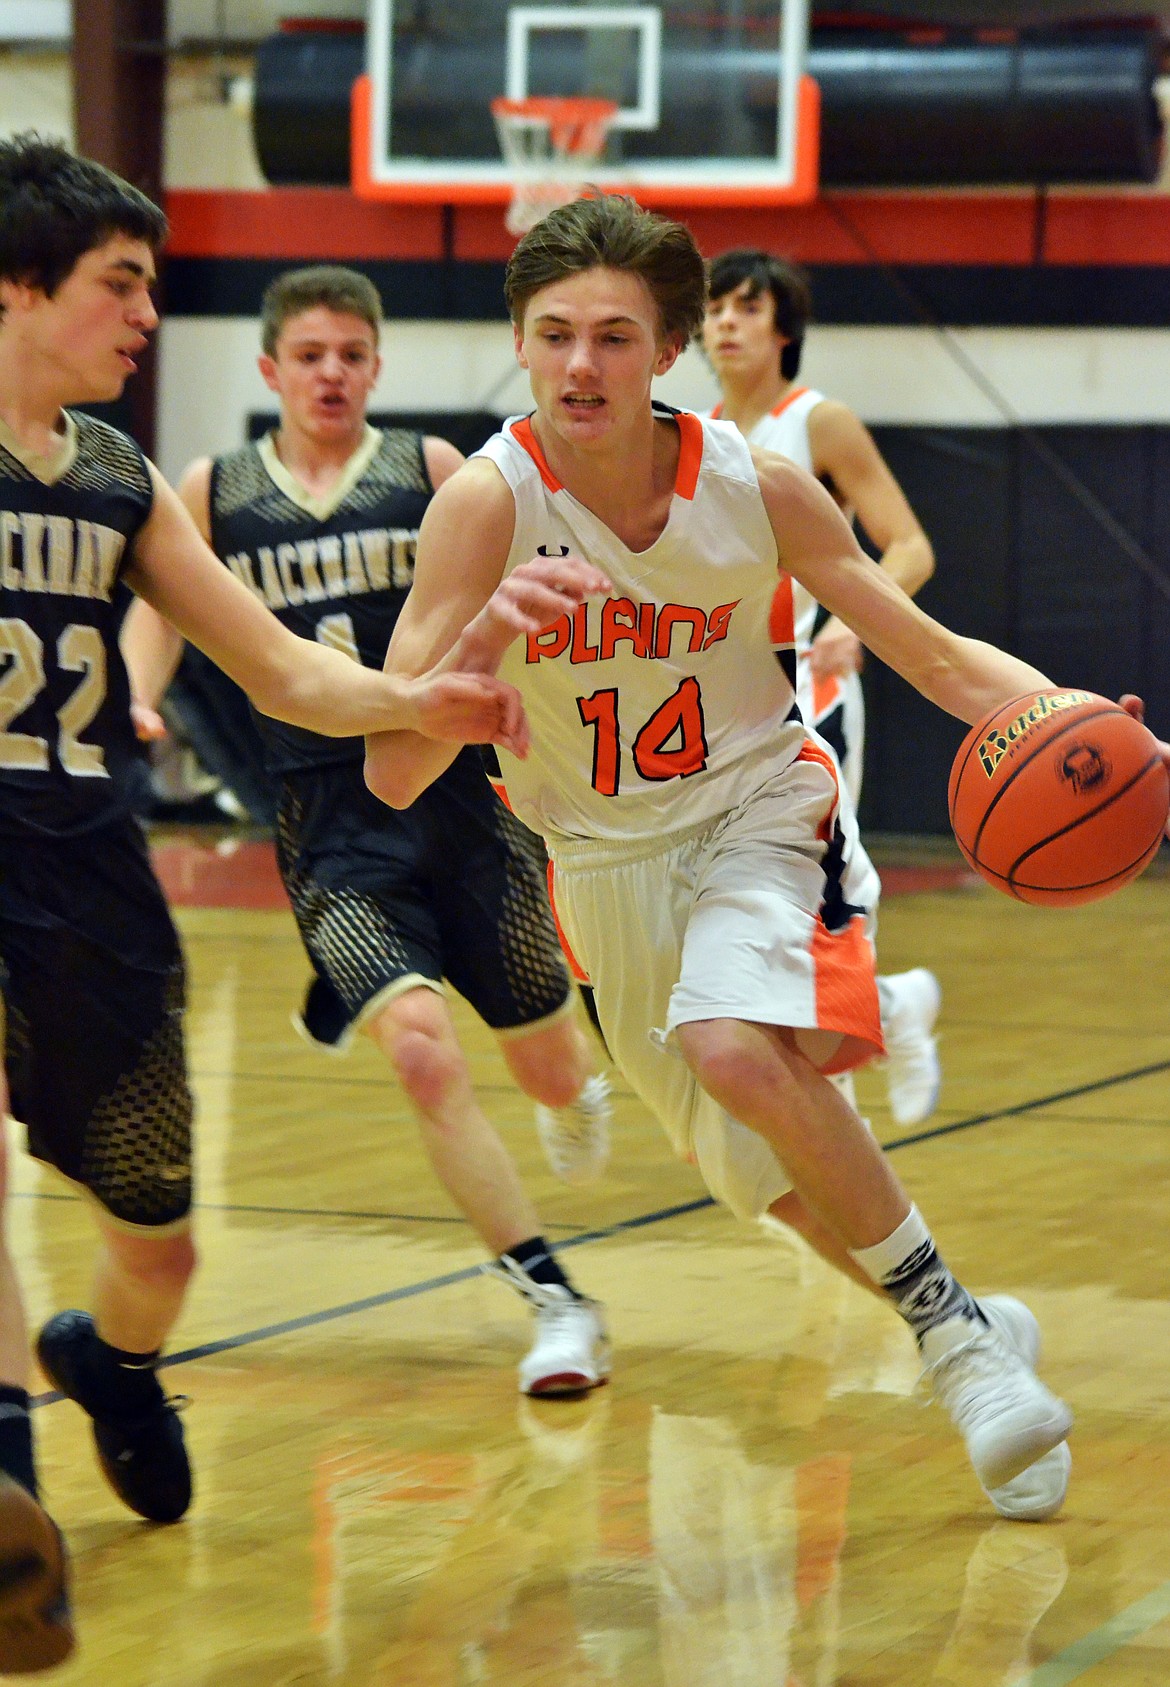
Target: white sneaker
column 910, row 1003
column 571, row 1352
column 1003, row 1411
column 575, row 1138
column 1038, row 1492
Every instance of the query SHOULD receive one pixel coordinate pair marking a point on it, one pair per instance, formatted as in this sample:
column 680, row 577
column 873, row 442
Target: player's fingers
column 148, row 723
column 514, row 614
column 513, row 733
column 570, row 575
column 1133, row 705
column 539, row 605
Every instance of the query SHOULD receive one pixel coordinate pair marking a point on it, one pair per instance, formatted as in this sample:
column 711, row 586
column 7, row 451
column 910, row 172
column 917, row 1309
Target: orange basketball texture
column 1059, row 797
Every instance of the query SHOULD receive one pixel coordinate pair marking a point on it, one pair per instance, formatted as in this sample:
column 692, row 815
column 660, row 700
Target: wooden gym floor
column 759, row 1499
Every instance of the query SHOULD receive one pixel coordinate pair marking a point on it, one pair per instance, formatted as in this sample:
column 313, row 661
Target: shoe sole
column 562, row 1383
column 1022, row 1333
column 35, row 1631
column 1038, row 1505
column 1028, row 1448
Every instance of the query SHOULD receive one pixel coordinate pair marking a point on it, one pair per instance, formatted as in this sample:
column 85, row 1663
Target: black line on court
column 1029, row 1106
column 381, row 1214
column 410, row 1291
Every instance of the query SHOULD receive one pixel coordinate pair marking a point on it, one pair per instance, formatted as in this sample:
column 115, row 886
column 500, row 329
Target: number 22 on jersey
column 79, row 650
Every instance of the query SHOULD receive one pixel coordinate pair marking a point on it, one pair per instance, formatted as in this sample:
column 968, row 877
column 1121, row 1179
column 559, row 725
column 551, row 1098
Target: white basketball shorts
column 764, row 915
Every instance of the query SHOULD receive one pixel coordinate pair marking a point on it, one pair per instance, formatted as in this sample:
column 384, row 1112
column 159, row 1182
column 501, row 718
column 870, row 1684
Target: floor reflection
column 1015, row 1573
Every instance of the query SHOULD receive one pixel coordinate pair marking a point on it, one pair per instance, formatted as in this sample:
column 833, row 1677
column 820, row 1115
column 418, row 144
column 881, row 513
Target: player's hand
column 1135, row 707
column 836, row 651
column 148, row 724
column 533, row 596
column 470, row 709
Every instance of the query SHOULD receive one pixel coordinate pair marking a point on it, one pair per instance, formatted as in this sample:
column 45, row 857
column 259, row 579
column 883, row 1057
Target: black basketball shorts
column 447, row 889
column 94, row 992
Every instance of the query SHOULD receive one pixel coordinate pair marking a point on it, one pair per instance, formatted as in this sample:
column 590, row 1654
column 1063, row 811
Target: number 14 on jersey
column 672, row 744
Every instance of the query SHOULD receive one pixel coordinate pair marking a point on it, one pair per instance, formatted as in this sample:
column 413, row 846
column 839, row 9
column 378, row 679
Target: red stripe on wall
column 300, row 222
column 1114, row 228
column 998, row 228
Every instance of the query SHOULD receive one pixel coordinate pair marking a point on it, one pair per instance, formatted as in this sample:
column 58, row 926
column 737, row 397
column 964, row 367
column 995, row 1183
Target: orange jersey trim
column 789, row 398
column 782, row 615
column 522, row 431
column 777, row 410
column 690, row 454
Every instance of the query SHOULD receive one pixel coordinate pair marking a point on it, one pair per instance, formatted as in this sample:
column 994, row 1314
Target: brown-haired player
column 758, row 310
column 320, row 519
column 90, row 965
column 707, row 875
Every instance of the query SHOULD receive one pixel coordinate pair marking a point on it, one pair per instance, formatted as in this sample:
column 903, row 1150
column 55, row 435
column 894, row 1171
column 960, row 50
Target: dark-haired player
column 758, row 309
column 320, row 519
column 91, row 969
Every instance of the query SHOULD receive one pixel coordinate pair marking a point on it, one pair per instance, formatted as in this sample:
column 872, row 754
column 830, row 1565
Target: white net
column 550, row 146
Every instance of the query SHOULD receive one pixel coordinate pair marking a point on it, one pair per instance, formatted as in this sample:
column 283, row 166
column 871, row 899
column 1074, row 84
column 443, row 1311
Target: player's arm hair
column 151, row 648
column 844, row 450
column 293, row 679
column 964, row 676
column 463, row 546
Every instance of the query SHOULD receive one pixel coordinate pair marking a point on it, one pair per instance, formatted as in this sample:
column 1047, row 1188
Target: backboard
column 714, row 105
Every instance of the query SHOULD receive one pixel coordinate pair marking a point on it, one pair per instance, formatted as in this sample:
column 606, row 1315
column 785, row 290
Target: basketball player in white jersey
column 758, row 308
column 707, row 874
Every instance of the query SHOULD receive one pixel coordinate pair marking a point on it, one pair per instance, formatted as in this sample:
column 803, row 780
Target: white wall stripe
column 209, row 379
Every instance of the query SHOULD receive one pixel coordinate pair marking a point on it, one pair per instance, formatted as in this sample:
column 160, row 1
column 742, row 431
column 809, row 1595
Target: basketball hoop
column 549, row 147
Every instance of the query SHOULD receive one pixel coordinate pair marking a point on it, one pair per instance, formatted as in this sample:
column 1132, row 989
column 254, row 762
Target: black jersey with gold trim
column 66, row 740
column 336, row 571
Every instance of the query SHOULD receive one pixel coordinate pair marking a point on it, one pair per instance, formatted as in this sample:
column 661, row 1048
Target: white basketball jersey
column 663, row 706
column 785, row 430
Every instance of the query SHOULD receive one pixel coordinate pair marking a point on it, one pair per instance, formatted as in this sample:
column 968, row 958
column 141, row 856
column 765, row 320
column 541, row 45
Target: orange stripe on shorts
column 844, row 973
column 575, row 967
column 846, row 991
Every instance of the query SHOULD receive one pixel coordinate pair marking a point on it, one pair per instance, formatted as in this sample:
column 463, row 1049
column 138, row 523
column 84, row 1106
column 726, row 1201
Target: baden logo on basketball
column 997, row 743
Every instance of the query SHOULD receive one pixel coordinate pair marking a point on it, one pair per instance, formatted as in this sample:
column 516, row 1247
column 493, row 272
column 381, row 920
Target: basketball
column 1059, row 797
